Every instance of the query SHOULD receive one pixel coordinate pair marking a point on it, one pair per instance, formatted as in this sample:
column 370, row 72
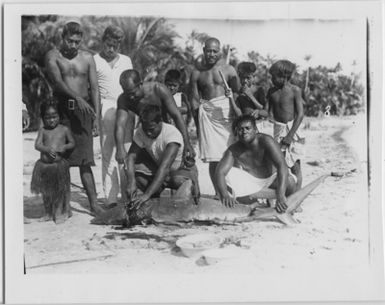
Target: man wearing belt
column 73, row 74
column 109, row 65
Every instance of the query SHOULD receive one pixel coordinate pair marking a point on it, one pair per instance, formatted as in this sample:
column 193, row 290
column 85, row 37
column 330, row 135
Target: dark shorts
column 81, row 126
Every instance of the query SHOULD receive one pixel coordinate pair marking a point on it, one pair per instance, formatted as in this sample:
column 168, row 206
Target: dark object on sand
column 180, row 209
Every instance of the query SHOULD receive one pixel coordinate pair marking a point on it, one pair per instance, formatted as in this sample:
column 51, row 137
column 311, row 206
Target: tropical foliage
column 151, row 44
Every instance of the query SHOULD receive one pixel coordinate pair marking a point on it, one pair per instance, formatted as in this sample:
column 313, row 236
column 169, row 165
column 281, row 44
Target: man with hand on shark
column 253, row 166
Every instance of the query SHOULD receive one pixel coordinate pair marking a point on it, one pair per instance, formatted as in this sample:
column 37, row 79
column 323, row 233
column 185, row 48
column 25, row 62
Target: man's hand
column 228, row 201
column 189, row 151
column 95, row 128
column 229, row 93
column 52, row 153
column 120, row 155
column 138, row 201
column 26, row 119
column 255, row 113
column 132, row 191
column 84, row 107
column 281, row 205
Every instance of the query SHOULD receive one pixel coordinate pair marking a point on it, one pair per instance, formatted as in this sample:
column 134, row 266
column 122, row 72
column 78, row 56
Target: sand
column 331, row 234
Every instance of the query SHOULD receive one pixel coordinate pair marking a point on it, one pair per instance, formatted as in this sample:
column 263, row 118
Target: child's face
column 247, row 79
column 173, row 86
column 110, row 48
column 278, row 80
column 51, row 118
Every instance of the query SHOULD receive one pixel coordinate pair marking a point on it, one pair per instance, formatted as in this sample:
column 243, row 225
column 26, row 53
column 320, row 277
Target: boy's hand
column 52, row 153
column 286, row 141
column 120, row 155
column 138, row 201
column 189, row 151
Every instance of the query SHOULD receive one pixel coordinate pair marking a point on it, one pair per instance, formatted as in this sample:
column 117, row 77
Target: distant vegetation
column 150, row 42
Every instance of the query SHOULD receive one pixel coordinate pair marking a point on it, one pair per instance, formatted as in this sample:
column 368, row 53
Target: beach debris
column 180, row 209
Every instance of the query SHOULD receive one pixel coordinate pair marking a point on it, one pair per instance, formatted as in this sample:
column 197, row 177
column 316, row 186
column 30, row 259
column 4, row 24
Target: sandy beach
column 331, row 234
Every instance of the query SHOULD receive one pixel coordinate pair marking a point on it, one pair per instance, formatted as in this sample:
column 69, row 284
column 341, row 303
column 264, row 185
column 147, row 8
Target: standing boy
column 286, row 105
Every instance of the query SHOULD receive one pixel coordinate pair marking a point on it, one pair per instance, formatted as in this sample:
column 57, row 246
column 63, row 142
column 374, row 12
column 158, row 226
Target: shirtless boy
column 51, row 175
column 73, row 74
column 214, row 105
column 286, row 105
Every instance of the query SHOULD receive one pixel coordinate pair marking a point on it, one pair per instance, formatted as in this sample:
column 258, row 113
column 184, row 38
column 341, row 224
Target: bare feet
column 296, row 170
column 45, row 218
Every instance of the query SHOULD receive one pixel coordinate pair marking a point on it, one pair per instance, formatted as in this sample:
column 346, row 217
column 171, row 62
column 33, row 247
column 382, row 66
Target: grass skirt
column 52, row 180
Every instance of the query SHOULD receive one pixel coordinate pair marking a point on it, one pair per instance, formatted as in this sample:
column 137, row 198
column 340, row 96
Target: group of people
column 145, row 145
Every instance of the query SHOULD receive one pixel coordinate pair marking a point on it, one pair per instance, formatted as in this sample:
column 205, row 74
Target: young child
column 251, row 99
column 286, row 105
column 51, row 176
column 173, row 81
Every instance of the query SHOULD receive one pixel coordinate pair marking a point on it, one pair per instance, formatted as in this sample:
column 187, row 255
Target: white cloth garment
column 156, row 147
column 113, row 176
column 215, row 132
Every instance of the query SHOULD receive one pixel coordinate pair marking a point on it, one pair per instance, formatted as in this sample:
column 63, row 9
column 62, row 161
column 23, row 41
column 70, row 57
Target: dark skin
column 286, row 104
column 207, row 84
column 257, row 154
column 149, row 186
column 53, row 139
column 73, row 72
column 136, row 96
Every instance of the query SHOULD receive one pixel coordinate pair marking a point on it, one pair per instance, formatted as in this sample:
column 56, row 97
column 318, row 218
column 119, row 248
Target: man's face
column 173, row 86
column 211, row 52
column 51, row 118
column 131, row 90
column 110, row 48
column 246, row 132
column 71, row 44
column 152, row 129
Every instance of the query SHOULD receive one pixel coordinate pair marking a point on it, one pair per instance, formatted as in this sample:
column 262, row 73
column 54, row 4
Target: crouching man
column 252, row 166
column 155, row 159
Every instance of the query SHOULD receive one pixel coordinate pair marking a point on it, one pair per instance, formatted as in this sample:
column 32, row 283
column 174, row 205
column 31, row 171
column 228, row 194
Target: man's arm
column 168, row 158
column 221, row 171
column 70, row 139
column 298, row 106
column 120, row 124
column 234, row 84
column 273, row 150
column 130, row 170
column 194, row 96
column 95, row 96
column 168, row 101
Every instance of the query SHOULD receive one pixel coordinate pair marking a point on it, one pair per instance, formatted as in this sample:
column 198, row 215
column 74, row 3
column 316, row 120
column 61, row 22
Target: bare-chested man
column 136, row 94
column 213, row 104
column 253, row 164
column 73, row 74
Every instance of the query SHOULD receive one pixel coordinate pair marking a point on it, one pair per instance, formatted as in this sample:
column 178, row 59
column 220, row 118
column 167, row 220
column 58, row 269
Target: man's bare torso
column 210, row 84
column 74, row 71
column 283, row 103
column 254, row 159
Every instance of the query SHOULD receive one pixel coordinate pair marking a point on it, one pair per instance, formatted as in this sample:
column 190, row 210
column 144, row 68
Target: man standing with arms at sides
column 73, row 74
column 213, row 104
column 138, row 94
column 109, row 65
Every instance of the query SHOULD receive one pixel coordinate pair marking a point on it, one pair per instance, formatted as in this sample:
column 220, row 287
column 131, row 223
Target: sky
column 327, row 41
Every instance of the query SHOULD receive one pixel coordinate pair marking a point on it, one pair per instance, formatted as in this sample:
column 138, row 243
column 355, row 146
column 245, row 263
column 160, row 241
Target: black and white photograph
column 193, row 152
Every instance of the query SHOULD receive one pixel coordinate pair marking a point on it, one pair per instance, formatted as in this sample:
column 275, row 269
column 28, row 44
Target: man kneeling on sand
column 155, row 159
column 253, row 166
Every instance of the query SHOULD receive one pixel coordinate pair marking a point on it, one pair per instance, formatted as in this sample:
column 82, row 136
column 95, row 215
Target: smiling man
column 213, row 104
column 109, row 65
column 252, row 164
column 155, row 159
